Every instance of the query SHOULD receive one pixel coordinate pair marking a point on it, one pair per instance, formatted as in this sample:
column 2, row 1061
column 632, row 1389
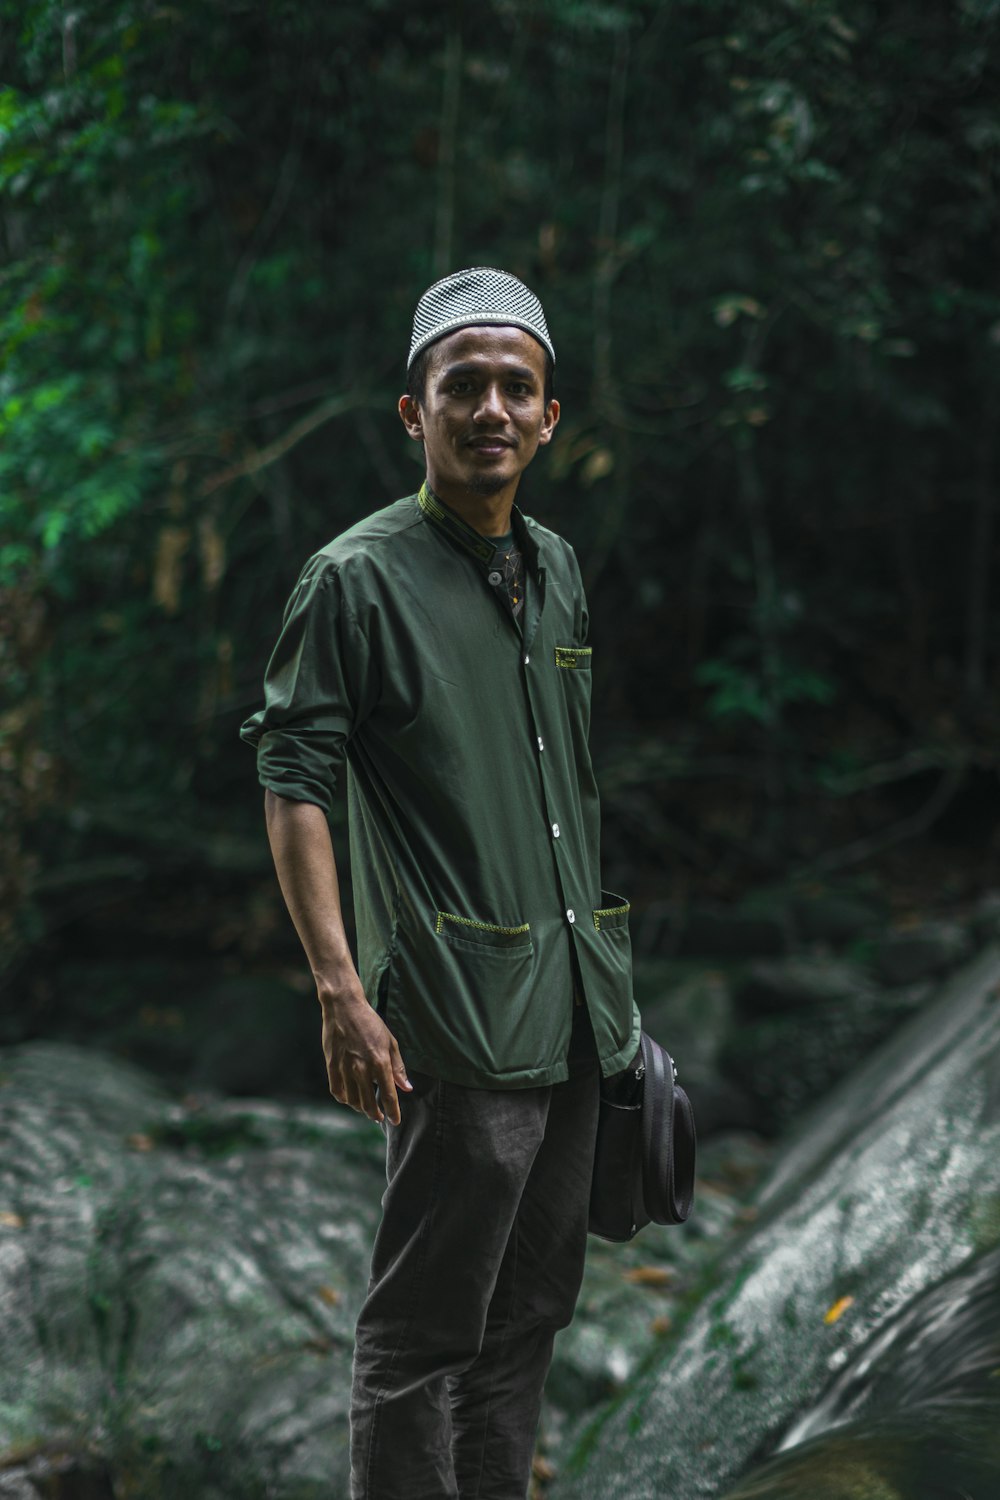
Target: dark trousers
column 477, row 1262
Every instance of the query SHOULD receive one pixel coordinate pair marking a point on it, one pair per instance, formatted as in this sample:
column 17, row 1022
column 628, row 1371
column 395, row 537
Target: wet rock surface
column 801, row 1025
column 922, row 951
column 179, row 1281
column 178, row 1285
column 693, row 1016
column 55, row 1475
column 888, row 1190
column 916, row 1413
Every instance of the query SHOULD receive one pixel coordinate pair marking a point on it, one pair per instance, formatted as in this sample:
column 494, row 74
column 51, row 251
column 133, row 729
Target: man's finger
column 363, row 1097
column 398, row 1067
column 372, row 1107
column 387, row 1094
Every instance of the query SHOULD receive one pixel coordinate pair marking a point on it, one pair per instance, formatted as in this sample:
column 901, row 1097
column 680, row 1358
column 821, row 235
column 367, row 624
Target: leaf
column 55, row 524
column 728, row 308
column 743, row 378
column 834, row 1313
column 649, row 1275
column 597, row 465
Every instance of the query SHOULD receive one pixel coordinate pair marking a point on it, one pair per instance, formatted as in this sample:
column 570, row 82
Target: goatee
column 487, row 484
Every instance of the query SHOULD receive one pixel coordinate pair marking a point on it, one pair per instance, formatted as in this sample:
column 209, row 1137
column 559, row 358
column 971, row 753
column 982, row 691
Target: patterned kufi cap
column 481, row 294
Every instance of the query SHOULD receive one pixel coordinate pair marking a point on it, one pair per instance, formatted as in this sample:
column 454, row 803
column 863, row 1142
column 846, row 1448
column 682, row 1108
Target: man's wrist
column 339, row 986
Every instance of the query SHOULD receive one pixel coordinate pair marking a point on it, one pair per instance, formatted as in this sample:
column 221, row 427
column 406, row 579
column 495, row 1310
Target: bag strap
column 668, row 1139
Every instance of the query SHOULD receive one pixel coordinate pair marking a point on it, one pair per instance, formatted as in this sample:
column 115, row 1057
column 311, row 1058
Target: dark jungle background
column 765, row 235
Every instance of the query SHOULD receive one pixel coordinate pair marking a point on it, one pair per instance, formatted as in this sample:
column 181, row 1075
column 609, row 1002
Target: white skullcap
column 480, row 294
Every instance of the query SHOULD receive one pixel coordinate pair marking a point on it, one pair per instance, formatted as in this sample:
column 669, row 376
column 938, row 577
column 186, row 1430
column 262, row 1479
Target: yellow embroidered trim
column 433, row 508
column 446, row 916
column 567, row 656
column 610, row 911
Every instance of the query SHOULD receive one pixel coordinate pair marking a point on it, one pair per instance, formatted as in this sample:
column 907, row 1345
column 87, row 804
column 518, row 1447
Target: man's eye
column 519, row 388
column 460, row 387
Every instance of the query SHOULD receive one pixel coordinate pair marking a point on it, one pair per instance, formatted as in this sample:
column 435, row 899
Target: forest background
column 765, row 236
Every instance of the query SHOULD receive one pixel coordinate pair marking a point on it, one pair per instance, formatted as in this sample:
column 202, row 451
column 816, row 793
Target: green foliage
column 742, row 692
column 765, row 238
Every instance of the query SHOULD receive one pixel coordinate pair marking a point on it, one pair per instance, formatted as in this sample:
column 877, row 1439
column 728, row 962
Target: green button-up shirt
column 473, row 811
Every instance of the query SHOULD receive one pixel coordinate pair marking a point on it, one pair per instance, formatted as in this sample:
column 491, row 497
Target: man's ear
column 409, row 413
column 549, row 422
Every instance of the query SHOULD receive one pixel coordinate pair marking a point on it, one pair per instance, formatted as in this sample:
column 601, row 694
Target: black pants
column 477, row 1262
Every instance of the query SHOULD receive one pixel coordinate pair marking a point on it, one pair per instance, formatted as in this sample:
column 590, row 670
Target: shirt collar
column 463, row 535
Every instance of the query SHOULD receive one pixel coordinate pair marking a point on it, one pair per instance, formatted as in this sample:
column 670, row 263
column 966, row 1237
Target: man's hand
column 361, row 1055
column 360, row 1050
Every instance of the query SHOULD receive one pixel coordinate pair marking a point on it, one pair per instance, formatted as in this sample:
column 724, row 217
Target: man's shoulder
column 369, row 535
column 346, row 567
column 553, row 548
column 544, row 535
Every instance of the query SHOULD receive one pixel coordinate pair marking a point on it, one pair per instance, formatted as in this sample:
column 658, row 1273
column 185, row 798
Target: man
column 438, row 648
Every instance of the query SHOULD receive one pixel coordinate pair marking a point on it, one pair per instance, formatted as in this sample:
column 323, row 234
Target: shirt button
column 541, row 743
column 494, row 578
column 526, row 660
column 555, row 830
column 571, row 915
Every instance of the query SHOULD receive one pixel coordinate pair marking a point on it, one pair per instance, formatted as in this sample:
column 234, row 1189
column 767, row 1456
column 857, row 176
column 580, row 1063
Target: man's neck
column 487, row 514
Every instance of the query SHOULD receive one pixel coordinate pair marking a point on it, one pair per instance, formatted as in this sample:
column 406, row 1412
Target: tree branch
column 445, row 215
column 609, row 256
column 896, row 833
column 260, row 458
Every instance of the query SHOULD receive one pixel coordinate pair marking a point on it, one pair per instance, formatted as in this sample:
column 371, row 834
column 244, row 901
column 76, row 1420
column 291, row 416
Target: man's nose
column 491, row 406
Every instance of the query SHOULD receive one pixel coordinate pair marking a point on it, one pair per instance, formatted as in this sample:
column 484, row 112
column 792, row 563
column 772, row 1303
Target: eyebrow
column 514, row 372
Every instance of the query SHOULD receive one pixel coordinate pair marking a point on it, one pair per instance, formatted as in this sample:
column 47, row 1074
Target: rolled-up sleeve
column 317, row 691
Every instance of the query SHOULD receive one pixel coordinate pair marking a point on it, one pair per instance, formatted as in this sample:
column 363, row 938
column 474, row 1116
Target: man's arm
column 360, row 1050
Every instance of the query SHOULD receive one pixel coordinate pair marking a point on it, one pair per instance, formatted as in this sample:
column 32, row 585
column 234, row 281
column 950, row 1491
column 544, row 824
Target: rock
column 791, row 984
column 984, row 919
column 731, row 932
column 185, row 1020
column 691, row 1014
column 56, row 1475
column 634, row 1294
column 923, row 952
column 915, row 1414
column 178, row 1284
column 254, row 1036
column 834, row 918
column 808, row 1022
column 889, row 1188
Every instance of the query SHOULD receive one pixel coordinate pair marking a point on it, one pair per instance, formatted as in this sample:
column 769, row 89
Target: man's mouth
column 489, row 445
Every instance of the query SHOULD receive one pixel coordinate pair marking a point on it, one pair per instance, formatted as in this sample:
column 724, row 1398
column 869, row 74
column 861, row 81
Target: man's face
column 483, row 416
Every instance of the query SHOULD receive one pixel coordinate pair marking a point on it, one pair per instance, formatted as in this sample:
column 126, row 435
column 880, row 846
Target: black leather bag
column 645, row 1156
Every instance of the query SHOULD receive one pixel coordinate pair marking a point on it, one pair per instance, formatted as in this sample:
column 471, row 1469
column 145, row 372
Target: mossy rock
column 178, row 1283
column 886, row 1190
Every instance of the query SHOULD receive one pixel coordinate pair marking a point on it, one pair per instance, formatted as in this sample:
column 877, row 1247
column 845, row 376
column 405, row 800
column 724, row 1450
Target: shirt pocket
column 472, row 936
column 612, row 914
column 574, row 675
column 609, row 948
column 574, row 658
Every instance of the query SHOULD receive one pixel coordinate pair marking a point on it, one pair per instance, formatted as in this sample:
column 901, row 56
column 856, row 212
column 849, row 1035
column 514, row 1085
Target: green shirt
column 473, row 810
